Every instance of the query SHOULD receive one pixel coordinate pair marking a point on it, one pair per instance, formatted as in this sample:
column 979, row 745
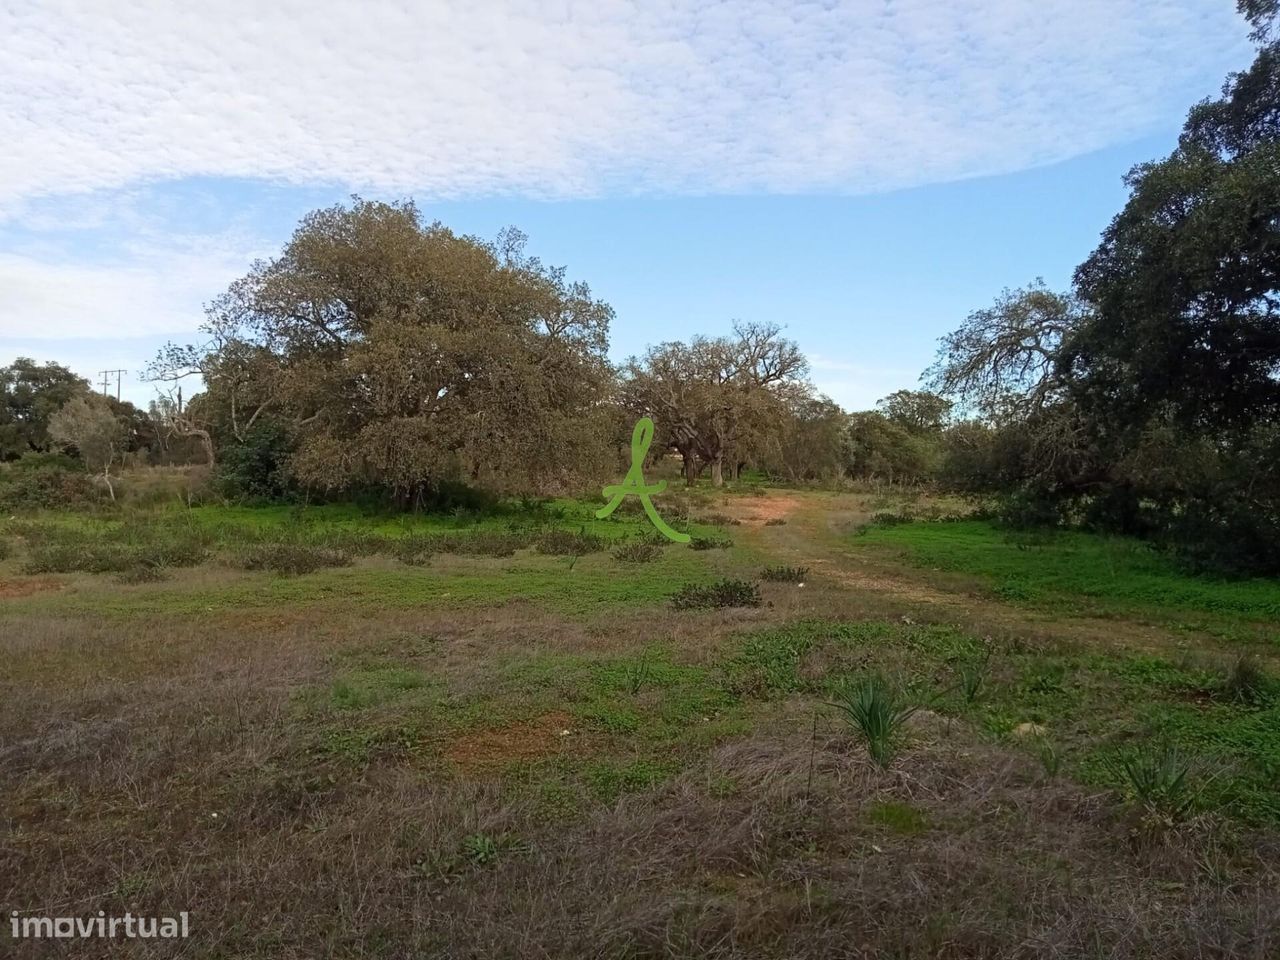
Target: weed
column 722, row 593
column 876, row 711
column 897, row 816
column 485, row 849
column 784, row 574
column 1248, row 683
column 973, row 674
column 1050, row 759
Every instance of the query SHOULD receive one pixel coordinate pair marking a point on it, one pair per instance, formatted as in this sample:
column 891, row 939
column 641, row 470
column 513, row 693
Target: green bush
column 45, row 481
column 723, row 593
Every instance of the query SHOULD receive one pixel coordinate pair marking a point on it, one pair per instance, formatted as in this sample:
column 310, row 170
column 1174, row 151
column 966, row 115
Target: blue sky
column 864, row 173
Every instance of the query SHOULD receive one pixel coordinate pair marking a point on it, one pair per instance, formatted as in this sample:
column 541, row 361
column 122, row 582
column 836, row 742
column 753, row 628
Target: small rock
column 1025, row 730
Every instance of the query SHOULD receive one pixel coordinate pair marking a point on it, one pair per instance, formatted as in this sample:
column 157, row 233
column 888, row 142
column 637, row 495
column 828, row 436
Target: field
column 330, row 733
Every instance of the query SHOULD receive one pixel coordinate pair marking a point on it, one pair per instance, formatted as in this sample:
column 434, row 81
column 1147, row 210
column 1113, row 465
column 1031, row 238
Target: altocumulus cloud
column 557, row 99
column 108, row 104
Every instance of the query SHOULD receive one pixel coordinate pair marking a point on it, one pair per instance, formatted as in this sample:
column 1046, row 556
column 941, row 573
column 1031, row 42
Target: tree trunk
column 717, row 472
column 690, row 468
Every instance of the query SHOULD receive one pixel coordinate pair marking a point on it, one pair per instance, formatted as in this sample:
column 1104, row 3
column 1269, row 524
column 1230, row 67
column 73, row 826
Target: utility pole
column 106, row 375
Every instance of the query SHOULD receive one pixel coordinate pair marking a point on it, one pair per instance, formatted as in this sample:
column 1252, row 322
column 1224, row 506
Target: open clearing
column 518, row 748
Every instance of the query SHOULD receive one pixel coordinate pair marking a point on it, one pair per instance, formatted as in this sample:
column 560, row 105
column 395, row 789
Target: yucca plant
column 973, row 674
column 1156, row 779
column 878, row 712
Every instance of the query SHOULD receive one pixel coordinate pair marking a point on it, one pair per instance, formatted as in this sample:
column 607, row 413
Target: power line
column 106, row 375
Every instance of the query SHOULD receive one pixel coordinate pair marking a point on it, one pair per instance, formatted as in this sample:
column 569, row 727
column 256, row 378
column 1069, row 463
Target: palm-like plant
column 878, row 712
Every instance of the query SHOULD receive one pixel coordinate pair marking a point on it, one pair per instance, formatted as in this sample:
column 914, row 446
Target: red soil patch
column 762, row 509
column 24, row 588
column 527, row 740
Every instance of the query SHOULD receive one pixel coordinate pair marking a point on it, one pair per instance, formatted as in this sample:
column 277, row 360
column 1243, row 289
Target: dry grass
column 315, row 779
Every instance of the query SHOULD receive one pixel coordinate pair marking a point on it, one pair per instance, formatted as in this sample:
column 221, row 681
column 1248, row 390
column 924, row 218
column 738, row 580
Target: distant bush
column 723, row 593
column 710, row 543
column 567, row 543
column 256, row 468
column 785, row 574
column 775, row 522
column 45, row 481
column 641, row 552
column 54, row 550
column 5, row 549
column 292, row 558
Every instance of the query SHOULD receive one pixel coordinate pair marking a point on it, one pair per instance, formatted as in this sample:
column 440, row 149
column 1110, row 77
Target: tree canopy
column 399, row 355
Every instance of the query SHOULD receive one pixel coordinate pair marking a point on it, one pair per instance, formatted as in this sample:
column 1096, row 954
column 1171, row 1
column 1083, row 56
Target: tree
column 30, row 393
column 715, row 399
column 917, row 411
column 88, row 425
column 1007, row 350
column 399, row 355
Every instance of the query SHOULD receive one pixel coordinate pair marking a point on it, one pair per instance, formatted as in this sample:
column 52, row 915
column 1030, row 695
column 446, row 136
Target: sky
column 863, row 173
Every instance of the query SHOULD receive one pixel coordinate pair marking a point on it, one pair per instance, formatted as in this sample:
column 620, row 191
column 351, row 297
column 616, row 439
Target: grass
column 532, row 748
column 1113, row 573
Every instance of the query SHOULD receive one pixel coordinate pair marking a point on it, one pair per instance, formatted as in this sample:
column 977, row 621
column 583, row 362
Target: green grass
column 1114, row 572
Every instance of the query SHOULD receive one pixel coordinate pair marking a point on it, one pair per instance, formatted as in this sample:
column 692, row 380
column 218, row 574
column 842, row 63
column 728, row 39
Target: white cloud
column 149, row 284
column 467, row 97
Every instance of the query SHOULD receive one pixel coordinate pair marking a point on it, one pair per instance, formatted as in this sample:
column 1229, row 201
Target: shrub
column 710, row 543
column 4, row 548
column 887, row 519
column 255, row 469
column 292, row 558
column 723, row 593
column 567, row 543
column 876, row 711
column 45, row 481
column 785, row 574
column 775, row 522
column 642, row 552
column 413, row 549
